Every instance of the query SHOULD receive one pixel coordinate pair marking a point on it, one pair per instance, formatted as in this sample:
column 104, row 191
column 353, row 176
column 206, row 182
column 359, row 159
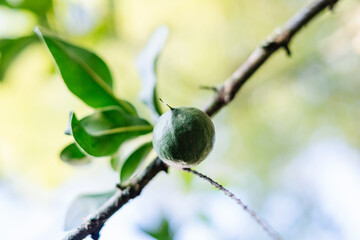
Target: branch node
column 163, row 166
column 211, row 88
column 332, row 5
column 122, row 186
column 268, row 45
column 287, row 49
column 95, row 236
column 166, row 169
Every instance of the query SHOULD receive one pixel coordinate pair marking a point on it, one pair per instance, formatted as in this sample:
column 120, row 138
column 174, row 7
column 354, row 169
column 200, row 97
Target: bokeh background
column 288, row 145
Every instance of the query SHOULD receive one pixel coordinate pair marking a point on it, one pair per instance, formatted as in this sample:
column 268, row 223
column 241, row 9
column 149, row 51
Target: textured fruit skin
column 183, row 137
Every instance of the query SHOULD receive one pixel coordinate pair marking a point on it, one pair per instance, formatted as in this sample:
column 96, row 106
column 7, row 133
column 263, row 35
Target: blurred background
column 288, row 145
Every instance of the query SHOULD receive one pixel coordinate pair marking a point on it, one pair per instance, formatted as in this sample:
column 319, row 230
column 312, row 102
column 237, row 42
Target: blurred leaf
column 9, row 49
column 37, row 6
column 82, row 206
column 162, row 232
column 106, row 142
column 203, row 217
column 84, row 73
column 73, row 155
column 146, row 63
column 133, row 161
column 115, row 161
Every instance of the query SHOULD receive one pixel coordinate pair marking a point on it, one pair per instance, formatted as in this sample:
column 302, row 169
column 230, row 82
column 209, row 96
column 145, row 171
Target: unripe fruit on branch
column 184, row 136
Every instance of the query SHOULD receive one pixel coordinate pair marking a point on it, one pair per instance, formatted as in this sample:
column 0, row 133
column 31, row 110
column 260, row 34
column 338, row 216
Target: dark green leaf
column 105, row 142
column 146, row 64
column 109, row 118
column 82, row 206
column 37, row 6
column 161, row 232
column 84, row 73
column 9, row 49
column 133, row 161
column 73, row 155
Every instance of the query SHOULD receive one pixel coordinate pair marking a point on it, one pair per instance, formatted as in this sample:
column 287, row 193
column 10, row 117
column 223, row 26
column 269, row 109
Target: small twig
column 96, row 234
column 265, row 226
column 211, row 88
column 331, row 5
column 122, row 186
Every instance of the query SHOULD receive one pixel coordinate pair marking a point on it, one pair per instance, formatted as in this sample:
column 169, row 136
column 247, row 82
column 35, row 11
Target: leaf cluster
column 114, row 121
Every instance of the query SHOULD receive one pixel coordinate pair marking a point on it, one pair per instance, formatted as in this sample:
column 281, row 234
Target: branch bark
column 225, row 93
column 279, row 39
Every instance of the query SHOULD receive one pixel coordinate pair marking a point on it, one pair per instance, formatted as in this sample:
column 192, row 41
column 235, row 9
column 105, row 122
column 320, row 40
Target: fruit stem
column 171, row 108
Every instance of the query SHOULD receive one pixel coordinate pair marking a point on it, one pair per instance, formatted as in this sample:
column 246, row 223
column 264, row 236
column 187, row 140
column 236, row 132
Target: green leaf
column 133, row 161
column 9, row 49
column 115, row 162
column 83, row 206
column 73, row 155
column 84, row 73
column 105, row 142
column 162, row 232
column 109, row 118
column 146, row 63
column 37, row 6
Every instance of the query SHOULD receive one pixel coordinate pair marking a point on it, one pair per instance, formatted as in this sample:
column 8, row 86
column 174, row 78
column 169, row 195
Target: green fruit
column 183, row 136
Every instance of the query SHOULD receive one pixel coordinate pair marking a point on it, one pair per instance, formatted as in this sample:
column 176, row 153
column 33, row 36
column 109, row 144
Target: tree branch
column 224, row 95
column 120, row 198
column 279, row 39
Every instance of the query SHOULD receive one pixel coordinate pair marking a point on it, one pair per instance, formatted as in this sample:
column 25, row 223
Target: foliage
column 73, row 155
column 84, row 73
column 163, row 231
column 146, row 64
column 9, row 49
column 133, row 161
column 287, row 106
column 115, row 120
column 105, row 142
column 39, row 7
